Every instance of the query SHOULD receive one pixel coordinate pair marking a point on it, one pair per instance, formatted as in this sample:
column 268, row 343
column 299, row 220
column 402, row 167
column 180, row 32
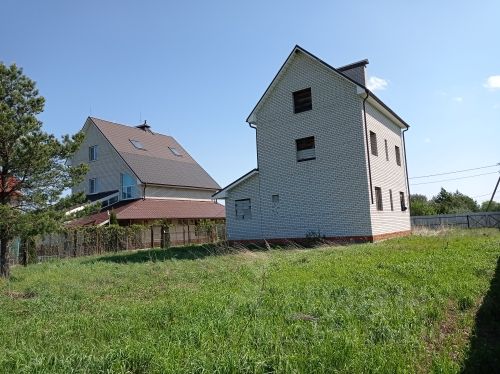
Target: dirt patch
column 16, row 295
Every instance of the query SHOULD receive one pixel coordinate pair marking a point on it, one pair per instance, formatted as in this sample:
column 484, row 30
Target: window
column 108, row 202
column 92, row 185
column 373, row 143
column 386, row 150
column 403, row 202
column 243, row 209
column 175, row 151
column 276, row 199
column 302, row 100
column 398, row 155
column 306, row 149
column 378, row 198
column 137, row 144
column 93, row 153
column 390, row 198
column 128, row 186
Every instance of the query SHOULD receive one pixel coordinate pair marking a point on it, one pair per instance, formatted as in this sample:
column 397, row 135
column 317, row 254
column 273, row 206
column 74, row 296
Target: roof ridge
column 128, row 126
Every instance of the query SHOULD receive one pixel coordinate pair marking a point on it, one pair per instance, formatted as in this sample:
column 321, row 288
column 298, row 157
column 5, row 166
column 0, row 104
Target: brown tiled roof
column 156, row 164
column 152, row 209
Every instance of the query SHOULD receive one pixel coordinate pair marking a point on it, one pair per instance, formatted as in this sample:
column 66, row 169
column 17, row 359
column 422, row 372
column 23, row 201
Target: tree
column 420, row 206
column 33, row 168
column 454, row 202
column 494, row 207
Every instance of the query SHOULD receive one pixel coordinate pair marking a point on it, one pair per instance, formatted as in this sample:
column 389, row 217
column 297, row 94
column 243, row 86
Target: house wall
column 387, row 175
column 328, row 195
column 244, row 229
column 180, row 193
column 108, row 166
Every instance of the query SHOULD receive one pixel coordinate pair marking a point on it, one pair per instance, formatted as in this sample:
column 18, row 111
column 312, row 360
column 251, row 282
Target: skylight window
column 175, row 151
column 137, row 144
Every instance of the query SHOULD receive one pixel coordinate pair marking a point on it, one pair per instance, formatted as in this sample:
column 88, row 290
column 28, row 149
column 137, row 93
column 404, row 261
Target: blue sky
column 195, row 70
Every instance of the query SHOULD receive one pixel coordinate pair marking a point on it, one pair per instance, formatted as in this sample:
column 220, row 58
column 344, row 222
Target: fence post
column 152, row 237
column 468, row 223
column 75, row 240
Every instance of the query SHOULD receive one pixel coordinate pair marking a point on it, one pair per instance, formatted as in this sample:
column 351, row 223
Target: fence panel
column 463, row 220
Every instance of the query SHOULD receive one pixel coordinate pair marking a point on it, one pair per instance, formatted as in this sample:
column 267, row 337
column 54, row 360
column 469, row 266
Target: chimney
column 144, row 126
column 355, row 71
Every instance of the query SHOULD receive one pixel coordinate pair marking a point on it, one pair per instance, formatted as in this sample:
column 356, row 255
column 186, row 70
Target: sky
column 195, row 70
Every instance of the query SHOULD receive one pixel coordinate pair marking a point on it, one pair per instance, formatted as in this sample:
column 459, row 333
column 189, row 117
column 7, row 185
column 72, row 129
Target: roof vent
column 144, row 126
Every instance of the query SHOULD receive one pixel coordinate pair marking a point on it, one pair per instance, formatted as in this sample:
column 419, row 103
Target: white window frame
column 93, row 153
column 92, row 183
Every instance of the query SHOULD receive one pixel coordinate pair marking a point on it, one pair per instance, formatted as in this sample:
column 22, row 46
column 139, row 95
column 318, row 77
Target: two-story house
column 331, row 160
column 143, row 175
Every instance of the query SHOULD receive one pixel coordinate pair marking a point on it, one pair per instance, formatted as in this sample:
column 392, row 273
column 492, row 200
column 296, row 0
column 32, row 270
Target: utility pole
column 493, row 195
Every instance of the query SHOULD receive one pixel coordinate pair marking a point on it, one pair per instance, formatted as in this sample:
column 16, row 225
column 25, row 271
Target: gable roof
column 222, row 194
column 156, row 163
column 361, row 88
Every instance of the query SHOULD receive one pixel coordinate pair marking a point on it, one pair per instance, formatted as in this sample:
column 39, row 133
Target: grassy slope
column 403, row 305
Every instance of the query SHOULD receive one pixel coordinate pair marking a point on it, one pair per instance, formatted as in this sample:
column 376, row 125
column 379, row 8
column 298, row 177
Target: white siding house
column 316, row 175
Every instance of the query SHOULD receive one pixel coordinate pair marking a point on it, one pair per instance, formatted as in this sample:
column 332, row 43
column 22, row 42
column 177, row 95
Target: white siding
column 108, row 166
column 181, row 193
column 330, row 194
column 244, row 229
column 387, row 175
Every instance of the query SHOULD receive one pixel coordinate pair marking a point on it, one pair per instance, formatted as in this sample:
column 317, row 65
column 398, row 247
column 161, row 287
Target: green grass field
column 416, row 304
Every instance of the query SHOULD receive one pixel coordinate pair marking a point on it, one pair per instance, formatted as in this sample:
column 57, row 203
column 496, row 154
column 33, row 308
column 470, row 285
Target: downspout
column 144, row 192
column 253, row 126
column 367, row 147
column 406, row 169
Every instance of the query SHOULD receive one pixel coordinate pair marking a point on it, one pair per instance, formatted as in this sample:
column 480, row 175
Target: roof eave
column 222, row 194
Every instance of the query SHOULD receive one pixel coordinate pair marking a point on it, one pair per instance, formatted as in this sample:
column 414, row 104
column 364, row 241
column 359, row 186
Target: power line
column 454, row 179
column 456, row 171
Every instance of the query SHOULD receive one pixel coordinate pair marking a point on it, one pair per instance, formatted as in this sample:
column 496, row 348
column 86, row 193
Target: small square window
column 175, row 151
column 93, row 153
column 378, row 198
column 373, row 143
column 137, row 144
column 302, row 100
column 243, row 209
column 306, row 149
column 398, row 155
column 92, row 185
column 276, row 199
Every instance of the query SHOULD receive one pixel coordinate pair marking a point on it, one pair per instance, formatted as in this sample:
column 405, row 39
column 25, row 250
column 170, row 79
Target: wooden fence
column 463, row 220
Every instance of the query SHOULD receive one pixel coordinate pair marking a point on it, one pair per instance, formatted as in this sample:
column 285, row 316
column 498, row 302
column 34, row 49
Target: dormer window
column 137, row 144
column 302, row 100
column 175, row 151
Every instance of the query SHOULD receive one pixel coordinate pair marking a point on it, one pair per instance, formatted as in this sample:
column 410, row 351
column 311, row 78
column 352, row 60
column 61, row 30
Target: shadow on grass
column 191, row 252
column 484, row 353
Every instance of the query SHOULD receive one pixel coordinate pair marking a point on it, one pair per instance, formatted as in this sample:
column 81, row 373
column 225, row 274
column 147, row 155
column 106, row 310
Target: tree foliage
column 443, row 203
column 33, row 168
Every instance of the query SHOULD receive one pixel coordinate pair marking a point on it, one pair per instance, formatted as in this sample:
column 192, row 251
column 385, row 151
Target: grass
column 404, row 305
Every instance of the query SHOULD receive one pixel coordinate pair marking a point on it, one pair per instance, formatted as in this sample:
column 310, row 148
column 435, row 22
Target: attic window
column 302, row 100
column 306, row 149
column 175, row 151
column 137, row 144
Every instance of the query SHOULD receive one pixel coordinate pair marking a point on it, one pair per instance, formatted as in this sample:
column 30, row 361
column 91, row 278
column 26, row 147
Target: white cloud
column 493, row 82
column 427, row 140
column 375, row 83
column 458, row 99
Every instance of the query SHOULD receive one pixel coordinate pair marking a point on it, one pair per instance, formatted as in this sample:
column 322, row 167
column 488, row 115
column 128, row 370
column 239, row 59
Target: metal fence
column 97, row 240
column 464, row 220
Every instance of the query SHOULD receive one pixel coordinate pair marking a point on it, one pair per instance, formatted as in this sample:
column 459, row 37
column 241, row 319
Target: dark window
column 398, row 156
column 378, row 198
column 390, row 198
column 92, row 185
column 386, row 150
column 373, row 143
column 93, row 153
column 276, row 199
column 306, row 149
column 137, row 144
column 302, row 100
column 403, row 202
column 243, row 209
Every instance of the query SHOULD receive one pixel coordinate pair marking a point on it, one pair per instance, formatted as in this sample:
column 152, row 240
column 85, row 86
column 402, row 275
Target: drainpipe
column 144, row 192
column 367, row 147
column 254, row 126
column 406, row 169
